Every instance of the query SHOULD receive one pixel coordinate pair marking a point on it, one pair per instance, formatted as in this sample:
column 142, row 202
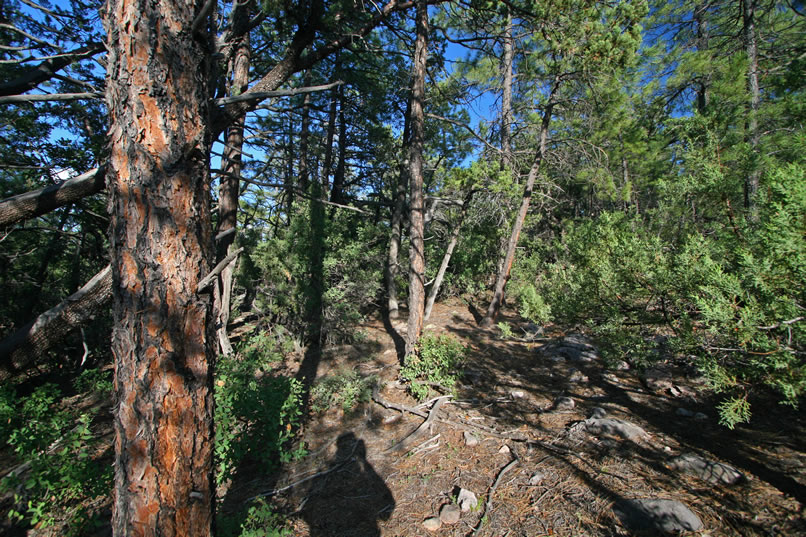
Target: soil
column 534, row 470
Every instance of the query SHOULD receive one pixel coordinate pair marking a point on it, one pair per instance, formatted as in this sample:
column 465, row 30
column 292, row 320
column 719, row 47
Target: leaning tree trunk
column 443, row 267
column 416, row 206
column 160, row 235
column 29, row 343
column 231, row 164
column 506, row 267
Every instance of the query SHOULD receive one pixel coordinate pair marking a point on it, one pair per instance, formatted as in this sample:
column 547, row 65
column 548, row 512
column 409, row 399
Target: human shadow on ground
column 349, row 498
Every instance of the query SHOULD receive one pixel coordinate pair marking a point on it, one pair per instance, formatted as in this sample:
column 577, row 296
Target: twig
column 488, row 505
column 423, row 445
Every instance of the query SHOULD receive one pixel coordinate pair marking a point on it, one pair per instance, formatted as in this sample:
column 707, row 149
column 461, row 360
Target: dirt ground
column 534, row 472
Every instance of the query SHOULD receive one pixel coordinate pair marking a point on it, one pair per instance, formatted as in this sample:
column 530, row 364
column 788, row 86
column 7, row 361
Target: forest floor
column 548, row 439
column 536, row 466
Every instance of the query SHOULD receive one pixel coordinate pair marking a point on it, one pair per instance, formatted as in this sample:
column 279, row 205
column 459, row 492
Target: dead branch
column 426, row 425
column 489, row 504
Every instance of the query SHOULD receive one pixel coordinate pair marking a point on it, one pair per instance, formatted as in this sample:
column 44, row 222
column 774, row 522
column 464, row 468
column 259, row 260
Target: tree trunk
column 506, row 97
column 392, row 264
column 416, row 225
column 331, row 128
column 42, row 201
column 160, row 235
column 337, row 192
column 503, row 274
column 231, row 164
column 753, row 135
column 28, row 344
column 700, row 19
column 432, row 294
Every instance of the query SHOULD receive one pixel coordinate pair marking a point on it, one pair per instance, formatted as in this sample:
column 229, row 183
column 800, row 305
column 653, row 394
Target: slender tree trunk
column 506, row 97
column 161, row 245
column 290, row 183
column 503, row 275
column 304, row 134
column 416, row 207
column 443, row 267
column 229, row 182
column 337, row 192
column 331, row 128
column 392, row 264
column 753, row 135
column 700, row 19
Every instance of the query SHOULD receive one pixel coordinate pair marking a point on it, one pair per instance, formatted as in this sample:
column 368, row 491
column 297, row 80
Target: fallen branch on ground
column 489, row 504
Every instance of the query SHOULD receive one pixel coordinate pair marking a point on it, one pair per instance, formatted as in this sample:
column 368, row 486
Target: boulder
column 564, row 403
column 466, row 500
column 710, row 471
column 615, row 427
column 668, row 517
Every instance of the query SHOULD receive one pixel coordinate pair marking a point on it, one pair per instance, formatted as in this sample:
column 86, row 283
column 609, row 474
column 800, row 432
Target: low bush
column 436, row 362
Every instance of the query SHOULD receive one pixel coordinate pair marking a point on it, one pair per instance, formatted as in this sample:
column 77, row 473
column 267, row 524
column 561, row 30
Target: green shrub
column 436, row 361
column 258, row 521
column 52, row 448
column 257, row 412
column 346, row 388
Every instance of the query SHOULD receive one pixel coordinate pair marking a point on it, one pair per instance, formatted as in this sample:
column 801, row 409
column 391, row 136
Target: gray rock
column 432, row 524
column 587, row 357
column 622, row 366
column 684, row 412
column 577, row 341
column 577, row 376
column 466, row 500
column 667, row 516
column 564, row 403
column 615, row 427
column 471, row 439
column 557, row 359
column 517, row 394
column 657, row 380
column 710, row 471
column 598, row 413
column 537, row 478
column 450, row 513
column 699, row 416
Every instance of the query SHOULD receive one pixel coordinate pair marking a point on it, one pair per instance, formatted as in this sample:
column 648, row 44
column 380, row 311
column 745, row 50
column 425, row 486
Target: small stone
column 537, row 478
column 577, row 376
column 450, row 514
column 466, row 500
column 429, row 327
column 598, row 413
column 667, row 516
column 657, row 380
column 517, row 394
column 557, row 359
column 471, row 439
column 622, row 366
column 505, row 450
column 710, row 471
column 564, row 403
column 699, row 416
column 684, row 412
column 432, row 524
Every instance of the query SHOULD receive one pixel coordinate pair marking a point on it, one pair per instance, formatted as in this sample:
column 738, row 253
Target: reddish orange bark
column 161, row 248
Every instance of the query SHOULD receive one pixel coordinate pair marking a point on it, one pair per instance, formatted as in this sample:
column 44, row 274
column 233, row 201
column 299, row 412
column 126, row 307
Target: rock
column 517, row 394
column 564, row 403
column 577, row 341
column 684, row 412
column 557, row 359
column 699, row 416
column 657, row 380
column 622, row 366
column 577, row 376
column 598, row 413
column 615, row 427
column 471, row 439
column 450, row 514
column 466, row 500
column 710, row 471
column 537, row 478
column 432, row 524
column 505, row 450
column 666, row 516
column 586, row 357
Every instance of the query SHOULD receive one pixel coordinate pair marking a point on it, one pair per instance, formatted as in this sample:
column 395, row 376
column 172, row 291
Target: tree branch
column 10, row 99
column 47, row 69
